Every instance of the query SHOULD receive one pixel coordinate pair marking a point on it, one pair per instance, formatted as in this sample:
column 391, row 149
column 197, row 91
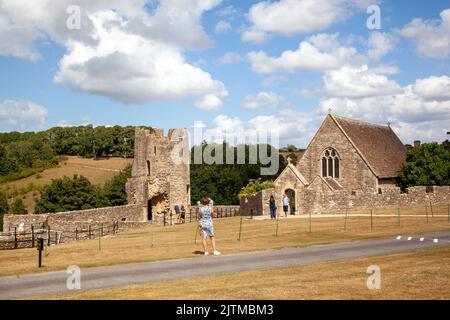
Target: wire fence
column 28, row 238
column 192, row 216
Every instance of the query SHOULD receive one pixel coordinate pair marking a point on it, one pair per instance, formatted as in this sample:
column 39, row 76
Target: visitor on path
column 273, row 208
column 285, row 204
column 206, row 225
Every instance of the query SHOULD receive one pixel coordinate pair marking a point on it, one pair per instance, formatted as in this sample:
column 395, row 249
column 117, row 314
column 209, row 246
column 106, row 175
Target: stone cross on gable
column 289, row 160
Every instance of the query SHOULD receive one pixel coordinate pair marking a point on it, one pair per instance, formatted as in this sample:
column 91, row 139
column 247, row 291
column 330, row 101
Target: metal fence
column 16, row 239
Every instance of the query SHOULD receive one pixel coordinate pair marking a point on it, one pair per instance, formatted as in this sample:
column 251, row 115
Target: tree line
column 25, row 154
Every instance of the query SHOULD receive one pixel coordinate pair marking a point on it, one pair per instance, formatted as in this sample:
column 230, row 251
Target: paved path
column 105, row 277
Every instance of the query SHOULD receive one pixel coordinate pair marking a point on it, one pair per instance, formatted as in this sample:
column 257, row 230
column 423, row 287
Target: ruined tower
column 160, row 177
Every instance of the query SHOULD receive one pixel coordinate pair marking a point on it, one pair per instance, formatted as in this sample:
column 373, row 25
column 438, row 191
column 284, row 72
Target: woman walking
column 273, row 208
column 206, row 225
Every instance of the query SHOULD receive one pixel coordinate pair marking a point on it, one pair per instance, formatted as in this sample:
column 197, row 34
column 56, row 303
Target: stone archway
column 292, row 200
column 157, row 205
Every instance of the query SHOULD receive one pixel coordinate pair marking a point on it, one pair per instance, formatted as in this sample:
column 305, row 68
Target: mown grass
column 173, row 242
column 422, row 274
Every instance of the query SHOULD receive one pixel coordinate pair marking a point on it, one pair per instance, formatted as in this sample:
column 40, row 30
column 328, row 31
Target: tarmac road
column 14, row 287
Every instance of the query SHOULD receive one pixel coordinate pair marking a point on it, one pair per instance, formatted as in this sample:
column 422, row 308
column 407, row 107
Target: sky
column 226, row 67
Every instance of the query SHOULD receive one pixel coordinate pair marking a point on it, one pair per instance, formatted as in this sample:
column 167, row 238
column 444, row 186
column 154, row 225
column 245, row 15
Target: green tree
column 113, row 193
column 18, row 207
column 4, row 208
column 68, row 194
column 223, row 182
column 427, row 165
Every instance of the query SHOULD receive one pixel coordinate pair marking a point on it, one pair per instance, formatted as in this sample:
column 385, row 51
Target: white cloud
column 432, row 37
column 433, row 88
column 222, row 27
column 262, row 100
column 228, row 11
column 290, row 17
column 319, row 52
column 255, row 36
column 273, row 80
column 124, row 53
column 358, row 82
column 22, row 115
column 210, row 102
column 410, row 111
column 229, row 58
column 287, row 127
column 380, row 44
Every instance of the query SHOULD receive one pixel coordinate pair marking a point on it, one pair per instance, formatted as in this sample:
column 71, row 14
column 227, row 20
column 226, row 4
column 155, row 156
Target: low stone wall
column 319, row 201
column 338, row 200
column 255, row 203
column 73, row 224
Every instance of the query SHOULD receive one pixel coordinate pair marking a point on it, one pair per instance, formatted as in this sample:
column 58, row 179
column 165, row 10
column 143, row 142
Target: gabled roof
column 290, row 167
column 378, row 145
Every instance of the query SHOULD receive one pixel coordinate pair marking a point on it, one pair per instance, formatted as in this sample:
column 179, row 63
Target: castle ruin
column 160, row 177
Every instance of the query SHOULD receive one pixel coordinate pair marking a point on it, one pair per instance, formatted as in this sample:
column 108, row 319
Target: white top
column 285, row 201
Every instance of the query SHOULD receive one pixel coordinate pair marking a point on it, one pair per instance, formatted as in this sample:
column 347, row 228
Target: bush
column 18, row 207
column 254, row 186
column 68, row 194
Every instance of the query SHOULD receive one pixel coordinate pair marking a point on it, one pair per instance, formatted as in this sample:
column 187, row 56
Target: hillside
column 96, row 171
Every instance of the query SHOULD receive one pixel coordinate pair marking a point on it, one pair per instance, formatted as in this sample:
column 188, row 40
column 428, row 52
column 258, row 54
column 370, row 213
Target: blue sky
column 230, row 65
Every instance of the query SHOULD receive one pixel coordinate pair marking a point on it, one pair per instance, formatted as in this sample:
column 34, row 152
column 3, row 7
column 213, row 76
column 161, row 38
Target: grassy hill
column 96, row 171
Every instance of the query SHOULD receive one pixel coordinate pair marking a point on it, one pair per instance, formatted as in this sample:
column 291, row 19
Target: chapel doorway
column 292, row 205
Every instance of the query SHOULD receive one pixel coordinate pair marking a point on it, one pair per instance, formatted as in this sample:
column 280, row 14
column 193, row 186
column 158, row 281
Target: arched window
column 330, row 164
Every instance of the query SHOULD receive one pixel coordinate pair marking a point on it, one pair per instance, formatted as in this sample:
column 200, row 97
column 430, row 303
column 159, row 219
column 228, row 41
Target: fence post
column 89, row 231
column 431, row 208
column 310, row 222
column 251, row 213
column 48, row 236
column 345, row 219
column 164, row 219
column 171, row 215
column 276, row 231
column 371, row 219
column 99, row 239
column 76, row 234
column 101, row 230
column 240, row 230
column 32, row 236
column 190, row 215
column 398, row 216
column 426, row 212
column 15, row 237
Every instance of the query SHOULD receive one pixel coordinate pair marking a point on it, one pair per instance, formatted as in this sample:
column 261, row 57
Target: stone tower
column 160, row 177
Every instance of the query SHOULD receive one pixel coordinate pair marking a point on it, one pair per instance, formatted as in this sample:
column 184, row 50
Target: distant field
column 175, row 242
column 97, row 171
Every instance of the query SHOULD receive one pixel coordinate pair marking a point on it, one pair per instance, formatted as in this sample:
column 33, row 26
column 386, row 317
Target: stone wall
column 413, row 197
column 319, row 199
column 68, row 222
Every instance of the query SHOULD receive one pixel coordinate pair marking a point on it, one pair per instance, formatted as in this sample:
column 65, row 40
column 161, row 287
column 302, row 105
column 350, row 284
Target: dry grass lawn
column 97, row 171
column 423, row 274
column 175, row 242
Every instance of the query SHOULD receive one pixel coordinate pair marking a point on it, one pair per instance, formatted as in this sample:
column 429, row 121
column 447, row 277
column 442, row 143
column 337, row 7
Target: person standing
column 273, row 208
column 206, row 225
column 285, row 204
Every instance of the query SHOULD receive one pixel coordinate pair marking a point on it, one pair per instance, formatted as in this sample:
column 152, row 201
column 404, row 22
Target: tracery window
column 330, row 164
